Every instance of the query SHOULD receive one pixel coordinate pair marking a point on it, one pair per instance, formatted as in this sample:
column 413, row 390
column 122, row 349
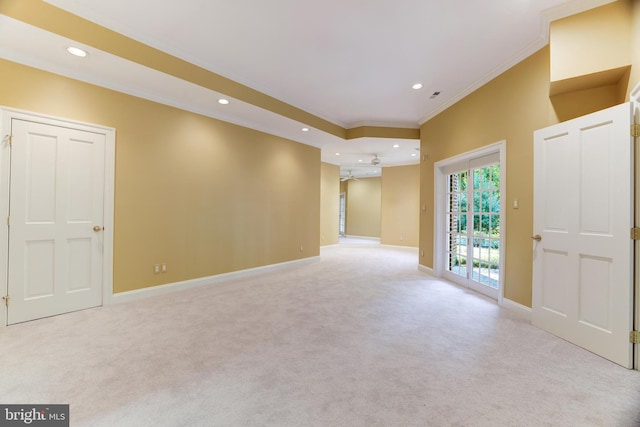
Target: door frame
column 440, row 171
column 634, row 98
column 7, row 115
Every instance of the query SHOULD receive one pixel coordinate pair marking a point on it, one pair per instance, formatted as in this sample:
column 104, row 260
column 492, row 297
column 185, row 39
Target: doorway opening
column 342, row 220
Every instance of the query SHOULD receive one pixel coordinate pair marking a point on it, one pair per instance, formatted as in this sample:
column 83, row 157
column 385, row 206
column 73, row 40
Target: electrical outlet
column 163, row 268
column 156, row 268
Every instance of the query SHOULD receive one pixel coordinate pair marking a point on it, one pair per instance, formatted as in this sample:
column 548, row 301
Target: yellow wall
column 400, row 210
column 329, row 204
column 509, row 108
column 591, row 60
column 635, row 45
column 363, row 207
column 203, row 196
column 591, row 42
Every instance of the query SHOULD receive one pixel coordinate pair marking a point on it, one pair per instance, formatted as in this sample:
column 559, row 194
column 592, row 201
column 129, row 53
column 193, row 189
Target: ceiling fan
column 348, row 177
column 376, row 160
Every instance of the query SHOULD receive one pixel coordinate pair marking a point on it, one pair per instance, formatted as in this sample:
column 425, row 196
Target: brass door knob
column 97, row 228
column 537, row 237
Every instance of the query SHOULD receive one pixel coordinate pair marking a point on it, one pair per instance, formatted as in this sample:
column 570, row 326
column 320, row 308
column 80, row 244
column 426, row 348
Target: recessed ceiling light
column 76, row 51
column 360, row 161
column 413, row 154
column 305, row 129
column 223, row 101
column 337, row 154
column 417, row 86
column 396, row 146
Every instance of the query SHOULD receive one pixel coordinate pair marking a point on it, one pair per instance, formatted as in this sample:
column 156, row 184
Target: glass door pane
column 485, row 250
column 457, row 223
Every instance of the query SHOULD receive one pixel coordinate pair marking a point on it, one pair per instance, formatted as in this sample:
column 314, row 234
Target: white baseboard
column 412, row 248
column 426, row 269
column 168, row 288
column 517, row 308
column 362, row 237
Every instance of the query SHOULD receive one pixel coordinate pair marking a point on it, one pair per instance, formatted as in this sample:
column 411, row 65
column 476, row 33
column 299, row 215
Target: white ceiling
column 351, row 62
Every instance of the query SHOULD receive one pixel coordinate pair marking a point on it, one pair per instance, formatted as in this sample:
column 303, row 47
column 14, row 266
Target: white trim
column 635, row 94
column 169, row 288
column 399, row 247
column 426, row 269
column 401, row 125
column 440, row 168
column 635, row 102
column 521, row 310
column 8, row 114
column 361, row 237
column 572, row 7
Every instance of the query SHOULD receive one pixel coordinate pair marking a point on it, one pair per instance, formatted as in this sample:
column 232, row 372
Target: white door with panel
column 583, row 211
column 56, row 220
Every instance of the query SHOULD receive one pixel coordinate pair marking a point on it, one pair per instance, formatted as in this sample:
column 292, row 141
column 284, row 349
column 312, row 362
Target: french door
column 472, row 250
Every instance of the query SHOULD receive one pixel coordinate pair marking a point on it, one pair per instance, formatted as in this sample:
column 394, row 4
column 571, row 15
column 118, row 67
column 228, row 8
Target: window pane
column 495, row 225
column 477, row 179
column 463, row 202
column 495, row 176
column 486, row 195
column 476, row 201
column 462, row 224
column 485, row 225
column 476, row 224
column 495, row 201
column 463, row 181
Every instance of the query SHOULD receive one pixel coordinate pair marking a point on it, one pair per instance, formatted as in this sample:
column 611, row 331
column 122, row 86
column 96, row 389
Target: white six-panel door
column 56, row 220
column 583, row 212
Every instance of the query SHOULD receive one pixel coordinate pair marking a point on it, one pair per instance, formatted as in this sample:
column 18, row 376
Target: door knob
column 537, row 237
column 97, row 228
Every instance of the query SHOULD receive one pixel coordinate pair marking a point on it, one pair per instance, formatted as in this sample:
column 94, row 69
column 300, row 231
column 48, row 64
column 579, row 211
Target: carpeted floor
column 360, row 338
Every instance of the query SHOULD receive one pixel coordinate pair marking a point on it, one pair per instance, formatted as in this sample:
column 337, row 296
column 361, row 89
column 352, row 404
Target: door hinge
column 634, row 337
column 8, row 219
column 635, row 130
column 9, row 139
column 635, row 233
column 6, row 300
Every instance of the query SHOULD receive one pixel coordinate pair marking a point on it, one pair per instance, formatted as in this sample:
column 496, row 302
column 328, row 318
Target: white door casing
column 583, row 211
column 635, row 100
column 59, row 187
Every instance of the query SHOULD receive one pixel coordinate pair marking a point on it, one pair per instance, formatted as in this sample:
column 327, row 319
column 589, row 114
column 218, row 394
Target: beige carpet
column 360, row 338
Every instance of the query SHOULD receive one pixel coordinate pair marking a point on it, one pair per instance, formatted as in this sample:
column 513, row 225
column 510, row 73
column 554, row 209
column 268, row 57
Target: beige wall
column 329, row 204
column 590, row 60
column 508, row 108
column 591, row 42
column 400, row 210
column 363, row 207
column 635, row 45
column 203, row 196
